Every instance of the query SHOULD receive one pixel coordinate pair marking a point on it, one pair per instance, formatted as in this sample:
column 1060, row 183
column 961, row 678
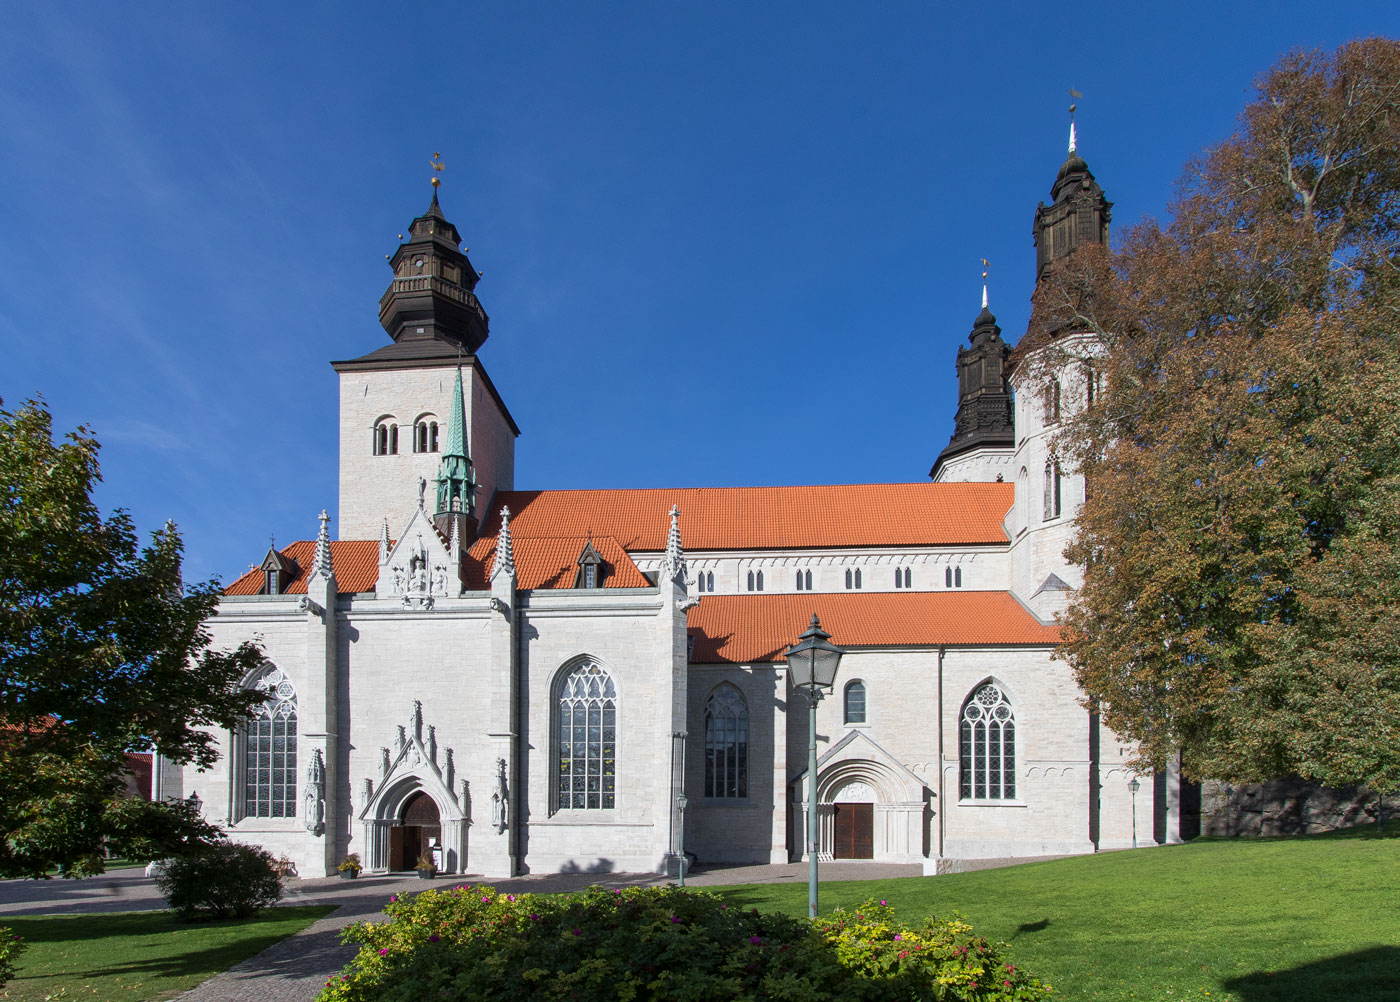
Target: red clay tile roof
column 551, row 562
column 355, row 562
column 759, row 518
column 743, row 629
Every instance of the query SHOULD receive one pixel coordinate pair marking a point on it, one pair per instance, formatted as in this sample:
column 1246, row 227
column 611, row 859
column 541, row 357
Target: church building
column 524, row 681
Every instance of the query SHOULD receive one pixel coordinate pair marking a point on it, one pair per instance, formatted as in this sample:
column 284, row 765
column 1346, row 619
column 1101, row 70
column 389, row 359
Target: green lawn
column 1260, row 920
column 137, row 956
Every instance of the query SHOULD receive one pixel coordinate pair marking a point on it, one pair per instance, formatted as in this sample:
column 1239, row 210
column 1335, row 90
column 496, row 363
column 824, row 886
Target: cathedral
column 523, row 681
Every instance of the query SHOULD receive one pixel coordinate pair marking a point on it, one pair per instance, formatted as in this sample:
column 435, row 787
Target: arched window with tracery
column 269, row 753
column 988, row 746
column 726, row 744
column 587, row 739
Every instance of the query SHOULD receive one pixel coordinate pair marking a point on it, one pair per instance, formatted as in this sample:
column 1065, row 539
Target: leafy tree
column 1241, row 534
column 102, row 650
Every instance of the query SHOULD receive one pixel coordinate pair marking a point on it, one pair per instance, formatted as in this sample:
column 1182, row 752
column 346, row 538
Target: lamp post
column 812, row 663
column 1133, row 787
column 195, row 803
column 680, row 809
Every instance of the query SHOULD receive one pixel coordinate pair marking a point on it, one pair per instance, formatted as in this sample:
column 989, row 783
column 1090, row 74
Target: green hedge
column 470, row 942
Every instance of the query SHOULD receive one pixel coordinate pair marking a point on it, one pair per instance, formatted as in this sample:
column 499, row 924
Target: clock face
column 418, row 262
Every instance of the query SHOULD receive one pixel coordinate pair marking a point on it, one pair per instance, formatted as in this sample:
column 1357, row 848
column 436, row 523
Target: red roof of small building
column 743, row 629
column 354, row 561
column 551, row 562
column 766, row 518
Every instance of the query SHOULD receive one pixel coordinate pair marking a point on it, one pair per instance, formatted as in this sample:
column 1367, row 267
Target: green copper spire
column 456, row 482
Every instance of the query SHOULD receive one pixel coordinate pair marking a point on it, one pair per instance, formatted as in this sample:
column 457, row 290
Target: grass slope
column 1260, row 920
column 137, row 956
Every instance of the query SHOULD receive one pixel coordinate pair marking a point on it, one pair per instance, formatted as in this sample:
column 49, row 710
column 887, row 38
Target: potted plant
column 427, row 869
column 350, row 867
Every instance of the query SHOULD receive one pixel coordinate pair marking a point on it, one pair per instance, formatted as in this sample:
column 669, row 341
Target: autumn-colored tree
column 1241, row 533
column 102, row 650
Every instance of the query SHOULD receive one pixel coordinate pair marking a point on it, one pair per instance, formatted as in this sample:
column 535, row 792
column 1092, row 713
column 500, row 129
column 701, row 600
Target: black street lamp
column 195, row 803
column 812, row 664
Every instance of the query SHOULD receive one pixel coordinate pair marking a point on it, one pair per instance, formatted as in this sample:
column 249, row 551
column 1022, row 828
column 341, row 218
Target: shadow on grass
column 1371, row 975
column 1040, row 926
column 1365, row 831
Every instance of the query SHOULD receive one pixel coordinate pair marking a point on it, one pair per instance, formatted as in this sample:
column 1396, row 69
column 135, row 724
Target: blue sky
column 723, row 243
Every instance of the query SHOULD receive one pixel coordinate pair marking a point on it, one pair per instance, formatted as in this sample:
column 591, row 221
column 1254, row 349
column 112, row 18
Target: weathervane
column 438, row 166
column 1074, row 95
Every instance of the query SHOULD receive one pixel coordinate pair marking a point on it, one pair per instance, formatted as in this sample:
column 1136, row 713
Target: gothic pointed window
column 760, row 580
column 848, row 579
column 386, row 437
column 908, row 577
column 1052, row 489
column 799, row 580
column 726, row 744
column 269, row 750
column 750, row 580
column 591, row 568
column 987, row 746
column 857, row 577
column 586, row 737
column 1052, row 402
column 855, row 703
column 710, row 581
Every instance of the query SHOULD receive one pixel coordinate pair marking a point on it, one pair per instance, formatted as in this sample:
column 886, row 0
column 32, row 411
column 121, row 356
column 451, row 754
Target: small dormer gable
column 278, row 572
column 592, row 568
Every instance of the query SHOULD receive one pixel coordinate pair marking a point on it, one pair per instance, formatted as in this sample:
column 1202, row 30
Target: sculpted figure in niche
column 398, row 579
column 314, row 801
column 440, row 573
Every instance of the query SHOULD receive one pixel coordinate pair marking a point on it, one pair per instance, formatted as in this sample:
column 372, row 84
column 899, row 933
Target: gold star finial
column 438, row 166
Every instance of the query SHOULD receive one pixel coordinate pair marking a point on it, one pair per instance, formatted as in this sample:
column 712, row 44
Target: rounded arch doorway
column 419, row 831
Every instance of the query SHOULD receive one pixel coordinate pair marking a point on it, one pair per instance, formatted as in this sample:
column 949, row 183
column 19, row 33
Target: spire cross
column 985, row 266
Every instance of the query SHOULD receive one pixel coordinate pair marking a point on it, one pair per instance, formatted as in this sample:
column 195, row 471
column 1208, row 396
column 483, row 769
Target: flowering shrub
column 11, row 946
column 470, row 942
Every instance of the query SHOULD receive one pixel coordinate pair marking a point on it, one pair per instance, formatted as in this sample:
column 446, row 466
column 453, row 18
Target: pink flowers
column 393, row 898
column 903, row 954
column 485, row 898
column 882, row 902
column 897, row 936
column 383, row 952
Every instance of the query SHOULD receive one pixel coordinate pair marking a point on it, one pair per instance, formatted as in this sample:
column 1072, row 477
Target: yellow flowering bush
column 472, row 943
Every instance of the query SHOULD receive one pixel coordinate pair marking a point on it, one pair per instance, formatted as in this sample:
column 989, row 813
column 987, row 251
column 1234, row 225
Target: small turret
column 456, row 479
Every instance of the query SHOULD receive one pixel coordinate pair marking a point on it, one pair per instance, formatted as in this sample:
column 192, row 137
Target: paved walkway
column 295, row 969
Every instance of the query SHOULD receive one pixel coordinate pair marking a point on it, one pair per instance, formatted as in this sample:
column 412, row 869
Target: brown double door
column 855, row 831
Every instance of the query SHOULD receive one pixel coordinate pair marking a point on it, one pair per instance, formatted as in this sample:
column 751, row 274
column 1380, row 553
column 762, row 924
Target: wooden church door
column 855, row 832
